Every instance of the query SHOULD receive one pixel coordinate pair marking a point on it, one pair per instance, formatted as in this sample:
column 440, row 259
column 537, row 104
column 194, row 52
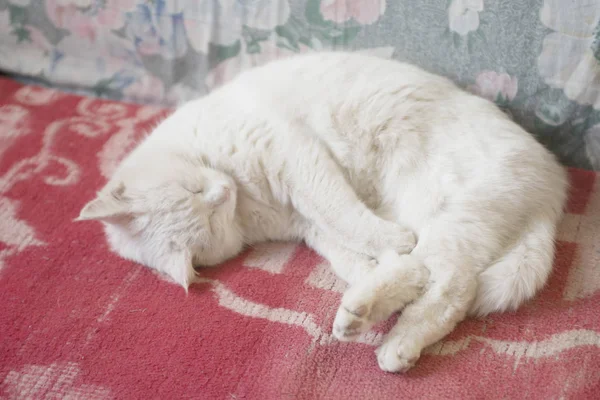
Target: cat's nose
column 221, row 197
column 218, row 196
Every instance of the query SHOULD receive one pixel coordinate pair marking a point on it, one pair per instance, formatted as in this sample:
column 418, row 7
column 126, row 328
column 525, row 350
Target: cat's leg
column 350, row 266
column 397, row 281
column 453, row 249
column 378, row 287
column 427, row 320
column 319, row 191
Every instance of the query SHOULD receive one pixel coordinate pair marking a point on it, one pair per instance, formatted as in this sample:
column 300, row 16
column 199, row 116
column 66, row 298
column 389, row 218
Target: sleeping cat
column 359, row 157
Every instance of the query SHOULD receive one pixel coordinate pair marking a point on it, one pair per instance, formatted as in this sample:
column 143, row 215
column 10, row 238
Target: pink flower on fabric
column 491, row 85
column 362, row 11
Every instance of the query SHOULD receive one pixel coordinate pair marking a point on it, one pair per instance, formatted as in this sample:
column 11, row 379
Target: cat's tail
column 518, row 275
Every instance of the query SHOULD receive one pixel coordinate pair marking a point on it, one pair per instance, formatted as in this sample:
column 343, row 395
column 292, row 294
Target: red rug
column 76, row 321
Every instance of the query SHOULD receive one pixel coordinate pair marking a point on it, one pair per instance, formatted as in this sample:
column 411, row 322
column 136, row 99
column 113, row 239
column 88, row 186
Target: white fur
column 352, row 154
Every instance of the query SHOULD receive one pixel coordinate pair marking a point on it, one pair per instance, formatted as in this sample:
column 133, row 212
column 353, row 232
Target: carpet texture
column 76, row 321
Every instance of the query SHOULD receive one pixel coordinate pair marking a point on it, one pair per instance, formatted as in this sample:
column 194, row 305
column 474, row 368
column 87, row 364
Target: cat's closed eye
column 194, row 190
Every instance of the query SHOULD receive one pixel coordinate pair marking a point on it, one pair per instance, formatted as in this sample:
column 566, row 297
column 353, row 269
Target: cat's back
column 369, row 109
column 324, row 79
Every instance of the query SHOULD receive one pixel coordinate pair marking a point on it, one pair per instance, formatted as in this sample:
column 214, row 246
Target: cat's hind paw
column 395, row 282
column 396, row 356
column 362, row 306
column 350, row 323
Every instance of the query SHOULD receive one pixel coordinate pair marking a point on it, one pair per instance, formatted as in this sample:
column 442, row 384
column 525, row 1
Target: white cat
column 352, row 154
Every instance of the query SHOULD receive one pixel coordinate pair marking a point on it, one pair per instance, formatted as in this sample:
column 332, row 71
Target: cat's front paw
column 359, row 311
column 393, row 237
column 386, row 289
column 397, row 355
column 350, row 323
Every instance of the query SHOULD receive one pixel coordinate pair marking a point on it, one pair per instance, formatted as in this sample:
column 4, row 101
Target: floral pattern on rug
column 79, row 322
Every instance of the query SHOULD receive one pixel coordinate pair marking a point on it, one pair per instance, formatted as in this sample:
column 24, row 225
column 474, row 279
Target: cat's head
column 169, row 213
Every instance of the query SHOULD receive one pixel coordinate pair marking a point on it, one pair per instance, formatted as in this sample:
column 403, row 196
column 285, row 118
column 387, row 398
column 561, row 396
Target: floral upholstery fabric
column 538, row 59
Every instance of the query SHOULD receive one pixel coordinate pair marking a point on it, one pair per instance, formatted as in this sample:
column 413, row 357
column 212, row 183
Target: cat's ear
column 181, row 269
column 107, row 206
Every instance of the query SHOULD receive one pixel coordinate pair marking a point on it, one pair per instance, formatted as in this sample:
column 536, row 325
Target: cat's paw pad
column 357, row 313
column 350, row 322
column 395, row 356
